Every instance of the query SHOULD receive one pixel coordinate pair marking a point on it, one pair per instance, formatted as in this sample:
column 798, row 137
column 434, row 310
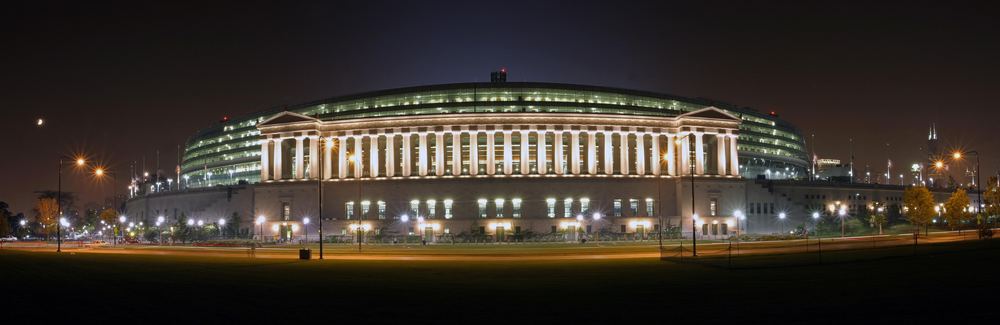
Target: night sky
column 120, row 80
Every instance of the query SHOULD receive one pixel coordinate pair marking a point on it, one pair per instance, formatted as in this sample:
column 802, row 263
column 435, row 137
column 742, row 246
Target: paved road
column 511, row 253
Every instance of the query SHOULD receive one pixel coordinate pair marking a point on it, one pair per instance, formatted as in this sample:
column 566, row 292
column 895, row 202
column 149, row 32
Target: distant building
column 833, row 170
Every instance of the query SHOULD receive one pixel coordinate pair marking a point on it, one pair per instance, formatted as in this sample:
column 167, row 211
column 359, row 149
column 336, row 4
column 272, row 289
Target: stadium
column 494, row 161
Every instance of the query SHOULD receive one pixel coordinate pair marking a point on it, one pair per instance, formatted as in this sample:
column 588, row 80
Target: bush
column 228, row 243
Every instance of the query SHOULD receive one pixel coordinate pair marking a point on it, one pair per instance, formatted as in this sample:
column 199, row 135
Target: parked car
column 8, row 238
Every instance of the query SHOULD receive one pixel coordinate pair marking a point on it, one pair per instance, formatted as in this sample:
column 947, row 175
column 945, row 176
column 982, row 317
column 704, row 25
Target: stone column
column 299, row 163
column 314, row 157
column 491, row 153
column 720, row 153
column 439, row 153
column 277, row 159
column 591, row 153
column 328, row 158
column 609, row 153
column 557, row 150
column 574, row 152
column 685, row 158
column 407, row 155
column 265, row 160
column 640, row 154
column 473, row 152
column 623, row 152
column 524, row 152
column 671, row 155
column 342, row 157
column 390, row 154
column 699, row 154
column 655, row 155
column 422, row 154
column 541, row 165
column 456, row 152
column 734, row 162
column 508, row 154
column 359, row 167
column 373, row 155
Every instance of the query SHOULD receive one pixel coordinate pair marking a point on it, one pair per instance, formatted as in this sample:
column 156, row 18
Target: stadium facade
column 503, row 161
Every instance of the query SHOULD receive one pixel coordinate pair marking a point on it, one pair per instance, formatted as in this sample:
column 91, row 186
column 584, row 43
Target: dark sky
column 120, row 80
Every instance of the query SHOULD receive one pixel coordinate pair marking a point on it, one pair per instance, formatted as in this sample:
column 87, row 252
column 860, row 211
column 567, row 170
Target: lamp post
column 979, row 192
column 260, row 223
column 597, row 232
column 694, row 215
column 404, row 219
column 781, row 220
column 305, row 223
column 222, row 224
column 842, row 212
column 159, row 222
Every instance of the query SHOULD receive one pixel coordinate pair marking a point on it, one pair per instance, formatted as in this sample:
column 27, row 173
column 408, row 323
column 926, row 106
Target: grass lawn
column 941, row 282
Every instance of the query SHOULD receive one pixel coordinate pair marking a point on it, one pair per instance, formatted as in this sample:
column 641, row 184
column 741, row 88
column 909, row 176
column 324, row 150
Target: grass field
column 945, row 282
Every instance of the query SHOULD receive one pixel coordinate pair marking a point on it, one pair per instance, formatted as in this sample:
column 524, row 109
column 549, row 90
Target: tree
column 5, row 220
column 918, row 206
column 232, row 228
column 46, row 210
column 109, row 216
column 878, row 219
column 991, row 198
column 956, row 208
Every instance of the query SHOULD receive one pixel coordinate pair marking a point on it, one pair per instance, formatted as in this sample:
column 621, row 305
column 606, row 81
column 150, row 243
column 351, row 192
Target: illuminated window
column 499, row 206
column 381, row 210
column 633, row 206
column 516, row 207
column 286, row 211
column 584, row 205
column 550, row 206
column 649, row 207
column 431, row 208
column 713, row 207
column 415, row 207
column 365, row 207
column 447, row 208
column 616, row 207
column 482, row 208
column 567, row 208
column 349, row 209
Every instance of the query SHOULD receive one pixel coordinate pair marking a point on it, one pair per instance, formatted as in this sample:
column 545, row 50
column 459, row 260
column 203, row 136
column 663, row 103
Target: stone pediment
column 711, row 113
column 287, row 117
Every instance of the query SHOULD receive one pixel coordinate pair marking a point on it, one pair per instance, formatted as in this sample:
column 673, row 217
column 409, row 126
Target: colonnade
column 541, row 151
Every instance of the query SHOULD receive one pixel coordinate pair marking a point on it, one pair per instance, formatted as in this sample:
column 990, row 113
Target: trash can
column 305, row 254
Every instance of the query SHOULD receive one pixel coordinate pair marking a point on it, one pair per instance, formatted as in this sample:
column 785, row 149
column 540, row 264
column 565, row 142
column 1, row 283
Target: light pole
column 781, row 220
column 694, row 215
column 159, row 222
column 222, row 224
column 260, row 223
column 79, row 162
column 815, row 217
column 597, row 232
column 404, row 219
column 842, row 213
column 979, row 192
column 305, row 223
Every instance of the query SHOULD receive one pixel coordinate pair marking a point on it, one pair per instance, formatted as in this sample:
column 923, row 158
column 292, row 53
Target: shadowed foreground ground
column 939, row 283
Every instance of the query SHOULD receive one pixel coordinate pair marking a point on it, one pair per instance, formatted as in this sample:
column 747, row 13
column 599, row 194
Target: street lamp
column 260, row 222
column 305, row 223
column 781, row 218
column 405, row 218
column 222, row 224
column 842, row 213
column 694, row 215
